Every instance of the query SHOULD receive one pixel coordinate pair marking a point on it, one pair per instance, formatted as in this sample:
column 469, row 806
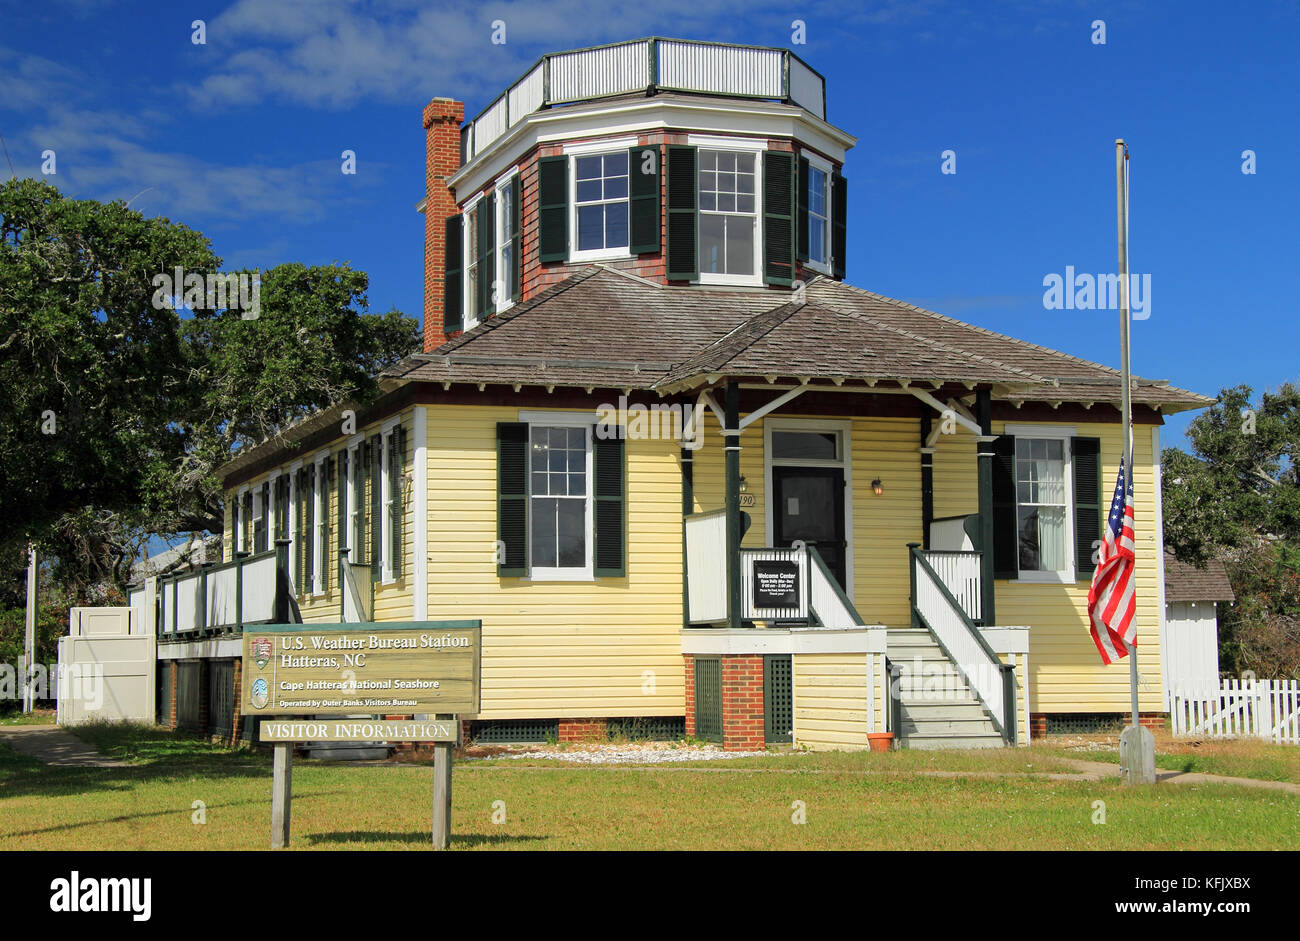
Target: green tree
column 1237, row 497
column 121, row 407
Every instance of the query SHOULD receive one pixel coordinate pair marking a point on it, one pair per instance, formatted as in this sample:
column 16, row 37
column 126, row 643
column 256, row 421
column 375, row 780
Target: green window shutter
column 300, row 515
column 376, row 507
column 512, row 498
column 553, row 208
column 246, row 521
column 1006, row 539
column 453, row 275
column 802, row 183
column 282, row 507
column 643, row 199
column 610, row 506
column 683, row 224
column 397, row 473
column 487, row 289
column 839, row 213
column 326, row 485
column 1086, row 457
column 516, row 241
column 341, row 477
column 778, row 217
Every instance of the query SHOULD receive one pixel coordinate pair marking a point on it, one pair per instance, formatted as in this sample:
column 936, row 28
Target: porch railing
column 935, row 608
column 960, row 571
column 748, row 609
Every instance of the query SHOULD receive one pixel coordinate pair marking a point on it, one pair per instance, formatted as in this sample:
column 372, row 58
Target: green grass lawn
column 1241, row 758
column 41, row 717
column 851, row 801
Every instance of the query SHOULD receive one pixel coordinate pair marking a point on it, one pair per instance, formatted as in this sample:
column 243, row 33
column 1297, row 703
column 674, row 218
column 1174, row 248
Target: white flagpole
column 1121, row 199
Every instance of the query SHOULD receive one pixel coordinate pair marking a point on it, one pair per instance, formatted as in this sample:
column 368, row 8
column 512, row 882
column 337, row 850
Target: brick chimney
column 442, row 120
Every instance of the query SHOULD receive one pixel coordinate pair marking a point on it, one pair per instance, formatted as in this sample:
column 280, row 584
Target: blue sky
column 241, row 138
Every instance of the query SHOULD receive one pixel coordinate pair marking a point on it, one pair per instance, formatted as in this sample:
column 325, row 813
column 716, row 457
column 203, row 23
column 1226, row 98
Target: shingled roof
column 1184, row 582
column 672, row 339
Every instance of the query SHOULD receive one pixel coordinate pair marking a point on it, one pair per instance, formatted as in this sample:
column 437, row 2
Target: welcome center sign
column 403, row 667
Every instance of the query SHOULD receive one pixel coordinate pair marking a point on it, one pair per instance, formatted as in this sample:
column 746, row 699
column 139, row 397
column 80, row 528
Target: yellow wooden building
column 690, row 480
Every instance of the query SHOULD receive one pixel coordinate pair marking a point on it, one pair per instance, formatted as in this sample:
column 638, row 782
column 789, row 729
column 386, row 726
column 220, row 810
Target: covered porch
column 809, row 512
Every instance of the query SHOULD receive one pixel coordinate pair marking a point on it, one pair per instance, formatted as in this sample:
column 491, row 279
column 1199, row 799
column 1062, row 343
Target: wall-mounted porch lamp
column 877, row 487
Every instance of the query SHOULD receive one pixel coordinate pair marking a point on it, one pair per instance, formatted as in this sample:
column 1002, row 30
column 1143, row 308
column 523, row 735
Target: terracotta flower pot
column 880, row 741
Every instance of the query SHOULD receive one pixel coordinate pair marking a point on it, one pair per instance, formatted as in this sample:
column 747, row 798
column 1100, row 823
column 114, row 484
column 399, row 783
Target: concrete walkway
column 1100, row 770
column 53, row 746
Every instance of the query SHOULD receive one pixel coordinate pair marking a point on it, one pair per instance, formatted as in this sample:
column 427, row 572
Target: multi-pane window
column 728, row 208
column 505, row 247
column 600, row 201
column 1042, row 498
column 818, row 217
column 558, row 496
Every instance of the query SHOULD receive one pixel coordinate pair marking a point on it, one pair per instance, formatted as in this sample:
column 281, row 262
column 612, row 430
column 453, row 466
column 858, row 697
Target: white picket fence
column 1239, row 708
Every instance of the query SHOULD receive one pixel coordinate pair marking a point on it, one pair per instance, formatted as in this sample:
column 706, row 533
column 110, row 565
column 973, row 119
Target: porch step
column 938, row 708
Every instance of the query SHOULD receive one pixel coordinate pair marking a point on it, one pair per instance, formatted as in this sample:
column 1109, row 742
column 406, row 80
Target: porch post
column 688, row 507
column 927, row 478
column 731, row 435
column 984, row 414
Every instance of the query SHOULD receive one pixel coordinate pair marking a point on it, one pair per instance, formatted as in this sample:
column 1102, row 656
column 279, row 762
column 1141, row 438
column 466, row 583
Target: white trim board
column 870, row 638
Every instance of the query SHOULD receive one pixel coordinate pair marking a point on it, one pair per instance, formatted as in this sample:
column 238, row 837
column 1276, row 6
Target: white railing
column 724, row 70
column 642, row 65
column 750, row 610
column 189, row 604
column 827, row 600
column 1268, row 709
column 706, row 567
column 968, row 651
column 960, row 571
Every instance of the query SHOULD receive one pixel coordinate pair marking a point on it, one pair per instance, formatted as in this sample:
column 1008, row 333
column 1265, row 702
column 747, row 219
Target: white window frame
column 505, row 302
column 469, row 255
column 386, row 502
column 825, row 167
column 239, row 520
column 844, row 428
column 736, row 145
column 597, row 149
column 1062, row 433
column 320, row 547
column 587, row 572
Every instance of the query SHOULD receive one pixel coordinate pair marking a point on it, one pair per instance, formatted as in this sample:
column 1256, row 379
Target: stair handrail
column 820, row 563
column 1006, row 723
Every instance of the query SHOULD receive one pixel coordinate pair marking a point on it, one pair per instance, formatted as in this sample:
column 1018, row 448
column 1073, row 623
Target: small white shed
column 1191, row 635
column 107, row 667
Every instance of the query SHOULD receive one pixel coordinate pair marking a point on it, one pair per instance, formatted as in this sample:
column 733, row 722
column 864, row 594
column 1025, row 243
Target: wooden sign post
column 330, row 670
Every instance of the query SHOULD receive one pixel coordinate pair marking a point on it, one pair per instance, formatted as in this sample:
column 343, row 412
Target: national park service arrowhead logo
column 260, row 647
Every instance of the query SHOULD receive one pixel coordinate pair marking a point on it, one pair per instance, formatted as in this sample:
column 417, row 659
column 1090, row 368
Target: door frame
column 845, row 462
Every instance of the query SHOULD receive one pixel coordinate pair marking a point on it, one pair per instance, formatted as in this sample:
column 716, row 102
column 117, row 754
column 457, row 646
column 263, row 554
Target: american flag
column 1111, row 602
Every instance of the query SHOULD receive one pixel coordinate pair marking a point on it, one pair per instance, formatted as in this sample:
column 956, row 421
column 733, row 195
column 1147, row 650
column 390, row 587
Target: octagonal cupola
column 685, row 163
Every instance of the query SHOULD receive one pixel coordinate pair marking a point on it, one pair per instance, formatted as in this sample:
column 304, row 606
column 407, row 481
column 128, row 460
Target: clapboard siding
column 956, row 475
column 608, row 647
column 1066, row 672
column 392, row 601
column 831, row 699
